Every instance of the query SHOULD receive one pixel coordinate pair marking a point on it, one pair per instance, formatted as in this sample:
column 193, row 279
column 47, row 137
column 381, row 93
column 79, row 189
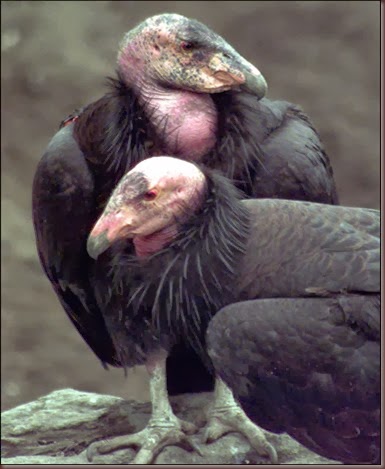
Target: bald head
column 168, row 172
column 158, row 193
column 173, row 50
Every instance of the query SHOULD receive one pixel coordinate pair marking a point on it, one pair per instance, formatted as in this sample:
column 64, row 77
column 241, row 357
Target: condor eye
column 185, row 45
column 150, row 195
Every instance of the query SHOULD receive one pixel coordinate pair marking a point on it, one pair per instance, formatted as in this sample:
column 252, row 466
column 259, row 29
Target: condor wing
column 63, row 212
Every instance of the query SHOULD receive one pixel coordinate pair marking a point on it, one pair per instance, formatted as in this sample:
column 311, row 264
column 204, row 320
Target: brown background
column 324, row 56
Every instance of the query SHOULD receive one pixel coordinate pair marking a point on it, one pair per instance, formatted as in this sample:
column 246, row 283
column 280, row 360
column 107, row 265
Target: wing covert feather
column 299, row 249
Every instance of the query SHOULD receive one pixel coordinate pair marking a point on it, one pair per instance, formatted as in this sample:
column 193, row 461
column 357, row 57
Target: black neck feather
column 237, row 153
column 178, row 289
column 113, row 134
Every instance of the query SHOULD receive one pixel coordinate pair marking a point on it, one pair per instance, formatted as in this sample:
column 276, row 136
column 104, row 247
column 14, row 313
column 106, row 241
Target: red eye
column 187, row 45
column 150, row 195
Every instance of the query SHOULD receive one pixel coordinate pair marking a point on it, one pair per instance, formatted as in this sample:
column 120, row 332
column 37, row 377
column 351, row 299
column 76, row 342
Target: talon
column 226, row 416
column 162, row 438
column 151, row 440
column 188, row 427
column 189, row 445
column 105, row 447
column 91, row 452
column 214, row 430
column 272, row 453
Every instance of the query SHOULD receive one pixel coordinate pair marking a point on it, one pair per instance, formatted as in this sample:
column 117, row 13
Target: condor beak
column 109, row 228
column 232, row 69
column 255, row 84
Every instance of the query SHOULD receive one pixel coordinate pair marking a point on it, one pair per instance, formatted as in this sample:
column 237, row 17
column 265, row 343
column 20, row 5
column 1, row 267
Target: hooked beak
column 255, row 84
column 232, row 69
column 108, row 229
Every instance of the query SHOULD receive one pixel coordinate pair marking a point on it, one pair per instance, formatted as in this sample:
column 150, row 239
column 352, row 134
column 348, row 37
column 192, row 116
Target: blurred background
column 322, row 55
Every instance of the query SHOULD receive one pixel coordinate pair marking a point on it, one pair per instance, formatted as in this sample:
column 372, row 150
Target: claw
column 188, row 427
column 226, row 416
column 215, row 429
column 164, row 427
column 234, row 420
column 104, row 447
column 189, row 445
column 151, row 441
column 153, row 446
column 92, row 451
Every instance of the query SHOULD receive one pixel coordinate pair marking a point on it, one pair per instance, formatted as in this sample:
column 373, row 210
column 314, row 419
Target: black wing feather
column 279, row 153
column 308, row 367
column 63, row 205
column 298, row 248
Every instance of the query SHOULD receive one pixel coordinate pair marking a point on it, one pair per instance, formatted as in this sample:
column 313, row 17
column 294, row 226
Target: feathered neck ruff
column 237, row 153
column 178, row 289
column 115, row 134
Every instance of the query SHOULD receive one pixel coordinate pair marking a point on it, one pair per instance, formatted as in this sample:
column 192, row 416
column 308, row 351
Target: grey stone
column 57, row 429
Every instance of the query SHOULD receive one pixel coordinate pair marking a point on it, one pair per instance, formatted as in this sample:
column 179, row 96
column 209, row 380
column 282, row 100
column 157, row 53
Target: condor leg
column 225, row 416
column 163, row 429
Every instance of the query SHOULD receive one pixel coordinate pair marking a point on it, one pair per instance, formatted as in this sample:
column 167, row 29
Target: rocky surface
column 57, row 428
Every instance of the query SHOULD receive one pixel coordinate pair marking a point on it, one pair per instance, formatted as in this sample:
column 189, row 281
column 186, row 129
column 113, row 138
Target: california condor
column 180, row 89
column 178, row 244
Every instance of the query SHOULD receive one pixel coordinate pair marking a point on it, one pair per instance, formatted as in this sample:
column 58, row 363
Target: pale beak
column 108, row 229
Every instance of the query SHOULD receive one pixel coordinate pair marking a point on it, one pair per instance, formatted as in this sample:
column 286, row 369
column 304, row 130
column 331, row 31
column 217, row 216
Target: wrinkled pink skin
column 180, row 186
column 147, row 245
column 186, row 121
column 112, row 226
column 190, row 125
column 111, row 222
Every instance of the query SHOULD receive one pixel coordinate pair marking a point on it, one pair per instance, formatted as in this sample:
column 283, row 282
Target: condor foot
column 151, row 441
column 223, row 421
column 227, row 416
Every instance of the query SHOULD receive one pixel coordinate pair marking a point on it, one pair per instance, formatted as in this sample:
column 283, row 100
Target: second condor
column 178, row 244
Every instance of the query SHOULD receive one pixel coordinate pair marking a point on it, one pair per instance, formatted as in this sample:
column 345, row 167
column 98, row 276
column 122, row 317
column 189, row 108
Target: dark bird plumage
column 307, row 366
column 304, row 356
column 269, row 148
